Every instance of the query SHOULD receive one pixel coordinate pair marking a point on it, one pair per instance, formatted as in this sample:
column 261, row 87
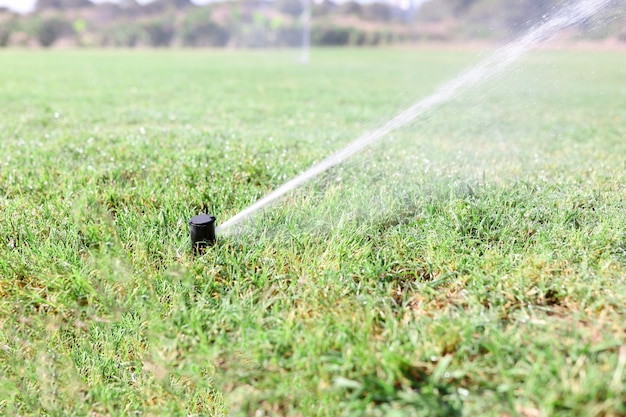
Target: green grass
column 473, row 263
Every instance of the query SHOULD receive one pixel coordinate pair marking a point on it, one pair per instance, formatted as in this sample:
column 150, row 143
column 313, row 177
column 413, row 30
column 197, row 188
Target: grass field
column 473, row 263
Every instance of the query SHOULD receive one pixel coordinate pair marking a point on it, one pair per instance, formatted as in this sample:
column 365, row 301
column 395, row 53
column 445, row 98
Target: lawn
column 471, row 263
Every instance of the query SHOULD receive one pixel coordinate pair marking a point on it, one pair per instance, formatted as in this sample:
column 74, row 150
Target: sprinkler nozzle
column 201, row 232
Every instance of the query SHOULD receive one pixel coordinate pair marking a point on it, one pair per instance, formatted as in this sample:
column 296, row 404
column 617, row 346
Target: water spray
column 570, row 15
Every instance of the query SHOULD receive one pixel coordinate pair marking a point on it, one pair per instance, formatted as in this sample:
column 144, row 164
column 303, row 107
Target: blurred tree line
column 278, row 23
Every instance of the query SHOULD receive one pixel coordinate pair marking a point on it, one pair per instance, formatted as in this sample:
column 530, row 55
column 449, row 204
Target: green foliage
column 288, row 36
column 494, row 19
column 330, row 35
column 159, row 32
column 491, row 20
column 290, row 7
column 434, row 12
column 200, row 30
column 350, row 8
column 124, row 35
column 180, row 22
column 48, row 30
column 461, row 6
column 79, row 26
column 62, row 4
column 6, row 29
column 325, row 7
column 323, row 35
column 376, row 11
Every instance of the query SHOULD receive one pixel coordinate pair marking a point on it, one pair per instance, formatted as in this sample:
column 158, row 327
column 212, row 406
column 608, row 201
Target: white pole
column 306, row 32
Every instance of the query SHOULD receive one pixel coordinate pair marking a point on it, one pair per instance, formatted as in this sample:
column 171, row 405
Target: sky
column 18, row 5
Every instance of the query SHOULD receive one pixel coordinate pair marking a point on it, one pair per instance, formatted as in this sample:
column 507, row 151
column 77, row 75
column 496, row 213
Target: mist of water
column 493, row 64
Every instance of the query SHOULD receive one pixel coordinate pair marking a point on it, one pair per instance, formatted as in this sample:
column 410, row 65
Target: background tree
column 50, row 29
column 290, row 7
column 62, row 4
column 7, row 26
column 198, row 29
column 160, row 32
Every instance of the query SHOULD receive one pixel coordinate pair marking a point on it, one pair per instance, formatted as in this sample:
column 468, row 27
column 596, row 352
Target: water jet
column 572, row 14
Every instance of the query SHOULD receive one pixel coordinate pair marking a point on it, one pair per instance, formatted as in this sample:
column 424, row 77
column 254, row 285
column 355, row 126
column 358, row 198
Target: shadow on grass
column 407, row 391
column 414, row 392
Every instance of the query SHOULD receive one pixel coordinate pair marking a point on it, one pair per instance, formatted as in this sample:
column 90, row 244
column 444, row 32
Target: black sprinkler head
column 202, row 232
